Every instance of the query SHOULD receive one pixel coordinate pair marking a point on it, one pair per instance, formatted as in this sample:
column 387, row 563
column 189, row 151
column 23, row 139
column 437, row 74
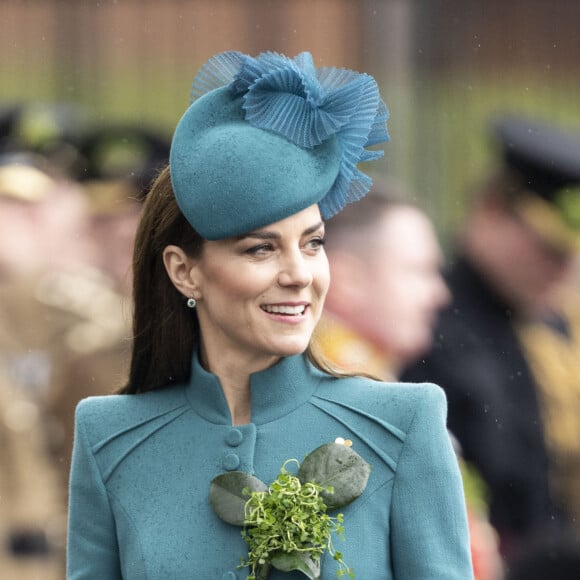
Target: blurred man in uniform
column 99, row 347
column 517, row 246
column 63, row 329
column 32, row 508
column 65, row 251
column 386, row 286
column 119, row 163
column 381, row 309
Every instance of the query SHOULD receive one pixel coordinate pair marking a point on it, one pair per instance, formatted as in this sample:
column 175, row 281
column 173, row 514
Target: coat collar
column 276, row 391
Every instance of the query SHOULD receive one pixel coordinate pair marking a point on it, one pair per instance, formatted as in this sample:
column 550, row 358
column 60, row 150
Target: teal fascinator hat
column 268, row 136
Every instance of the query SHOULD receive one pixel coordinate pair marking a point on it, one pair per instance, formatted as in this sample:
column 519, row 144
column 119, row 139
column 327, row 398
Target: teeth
column 293, row 310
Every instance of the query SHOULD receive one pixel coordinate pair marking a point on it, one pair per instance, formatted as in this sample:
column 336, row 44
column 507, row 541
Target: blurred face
column 115, row 234
column 261, row 295
column 19, row 236
column 404, row 285
column 65, row 229
column 523, row 267
column 44, row 235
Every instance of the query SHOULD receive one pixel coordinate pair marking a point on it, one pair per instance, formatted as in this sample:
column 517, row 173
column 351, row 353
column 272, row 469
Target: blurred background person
column 117, row 164
column 515, row 250
column 32, row 502
column 381, row 308
column 387, row 286
column 66, row 239
column 98, row 363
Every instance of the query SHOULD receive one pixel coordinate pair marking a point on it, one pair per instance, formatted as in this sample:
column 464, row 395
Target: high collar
column 275, row 391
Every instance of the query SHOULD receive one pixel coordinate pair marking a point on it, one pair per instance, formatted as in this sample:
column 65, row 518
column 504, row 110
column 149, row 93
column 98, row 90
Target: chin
column 291, row 349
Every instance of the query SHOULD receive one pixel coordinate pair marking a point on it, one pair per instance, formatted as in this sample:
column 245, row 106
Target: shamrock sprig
column 286, row 524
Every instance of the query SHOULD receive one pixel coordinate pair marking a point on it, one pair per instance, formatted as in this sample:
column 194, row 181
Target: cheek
column 230, row 282
column 391, row 290
column 321, row 276
column 553, row 267
column 529, row 268
column 429, row 289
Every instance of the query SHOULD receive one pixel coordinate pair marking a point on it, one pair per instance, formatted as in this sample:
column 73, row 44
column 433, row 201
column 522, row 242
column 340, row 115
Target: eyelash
column 319, row 241
column 255, row 249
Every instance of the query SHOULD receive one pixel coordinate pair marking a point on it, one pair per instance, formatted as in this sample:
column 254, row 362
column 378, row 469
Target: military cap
column 131, row 153
column 545, row 160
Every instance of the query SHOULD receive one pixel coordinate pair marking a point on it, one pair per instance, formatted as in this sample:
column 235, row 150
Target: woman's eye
column 261, row 249
column 316, row 243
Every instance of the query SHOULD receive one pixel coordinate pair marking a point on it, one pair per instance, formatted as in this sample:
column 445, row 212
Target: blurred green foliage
column 441, row 140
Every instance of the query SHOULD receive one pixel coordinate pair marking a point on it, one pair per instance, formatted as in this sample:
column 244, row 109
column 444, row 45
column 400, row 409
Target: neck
column 234, row 376
column 239, row 402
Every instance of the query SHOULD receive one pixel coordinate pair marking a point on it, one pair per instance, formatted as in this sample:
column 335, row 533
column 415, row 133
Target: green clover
column 286, row 525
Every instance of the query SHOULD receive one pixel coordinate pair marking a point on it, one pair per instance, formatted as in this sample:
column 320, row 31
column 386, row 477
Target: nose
column 295, row 270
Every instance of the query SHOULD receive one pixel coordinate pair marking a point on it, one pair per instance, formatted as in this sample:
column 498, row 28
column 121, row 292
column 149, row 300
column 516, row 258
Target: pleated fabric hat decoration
column 268, row 136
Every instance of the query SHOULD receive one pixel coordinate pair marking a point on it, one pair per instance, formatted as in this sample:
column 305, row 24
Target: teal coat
column 142, row 466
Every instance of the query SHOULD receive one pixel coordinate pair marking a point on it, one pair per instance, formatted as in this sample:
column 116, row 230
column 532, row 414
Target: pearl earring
column 191, row 302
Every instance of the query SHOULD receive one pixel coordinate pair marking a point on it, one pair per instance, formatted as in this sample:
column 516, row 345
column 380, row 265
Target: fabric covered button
column 231, row 462
column 234, row 438
column 229, row 576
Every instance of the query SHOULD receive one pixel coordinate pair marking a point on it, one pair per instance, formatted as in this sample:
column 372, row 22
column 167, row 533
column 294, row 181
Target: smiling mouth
column 285, row 310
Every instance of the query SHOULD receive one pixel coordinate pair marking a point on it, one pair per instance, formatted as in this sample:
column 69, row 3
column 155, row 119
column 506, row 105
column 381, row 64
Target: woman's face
column 260, row 295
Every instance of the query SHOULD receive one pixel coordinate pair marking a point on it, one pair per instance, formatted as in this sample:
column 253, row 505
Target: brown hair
column 165, row 331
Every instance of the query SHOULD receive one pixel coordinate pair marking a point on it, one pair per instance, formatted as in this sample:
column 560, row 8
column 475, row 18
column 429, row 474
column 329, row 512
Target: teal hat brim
column 230, row 177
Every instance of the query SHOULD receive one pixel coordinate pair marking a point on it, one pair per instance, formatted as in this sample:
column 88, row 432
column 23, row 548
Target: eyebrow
column 275, row 236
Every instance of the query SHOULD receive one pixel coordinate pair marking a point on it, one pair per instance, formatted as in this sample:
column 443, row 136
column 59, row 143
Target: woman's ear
column 179, row 267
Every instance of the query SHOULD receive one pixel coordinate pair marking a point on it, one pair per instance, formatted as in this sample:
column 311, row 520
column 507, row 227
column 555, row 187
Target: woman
column 230, row 278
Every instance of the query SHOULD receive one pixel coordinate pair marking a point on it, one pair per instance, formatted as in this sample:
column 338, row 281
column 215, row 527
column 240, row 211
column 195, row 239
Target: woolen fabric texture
column 142, row 467
column 230, row 177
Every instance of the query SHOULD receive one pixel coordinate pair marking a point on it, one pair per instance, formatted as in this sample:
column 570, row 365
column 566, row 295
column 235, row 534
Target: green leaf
column 301, row 561
column 263, row 572
column 338, row 466
column 229, row 492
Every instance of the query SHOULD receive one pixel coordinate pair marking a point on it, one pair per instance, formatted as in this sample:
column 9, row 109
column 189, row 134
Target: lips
column 285, row 309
